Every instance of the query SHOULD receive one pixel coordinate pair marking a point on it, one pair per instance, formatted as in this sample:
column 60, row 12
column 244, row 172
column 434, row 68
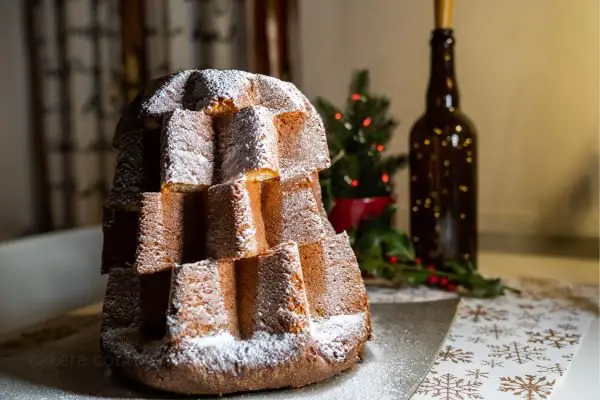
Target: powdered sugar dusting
column 223, row 353
column 187, row 149
column 197, row 307
column 231, row 225
column 332, row 335
column 211, row 85
column 279, row 95
column 248, row 143
column 169, row 96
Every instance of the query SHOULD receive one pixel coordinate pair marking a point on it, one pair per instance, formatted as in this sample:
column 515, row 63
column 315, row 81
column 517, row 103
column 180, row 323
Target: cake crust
column 224, row 273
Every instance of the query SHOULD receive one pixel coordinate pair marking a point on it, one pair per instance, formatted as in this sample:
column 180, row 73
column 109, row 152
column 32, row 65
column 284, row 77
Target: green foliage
column 385, row 252
column 357, row 137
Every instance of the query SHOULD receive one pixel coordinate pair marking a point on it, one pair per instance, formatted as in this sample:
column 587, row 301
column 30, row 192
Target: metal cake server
column 407, row 339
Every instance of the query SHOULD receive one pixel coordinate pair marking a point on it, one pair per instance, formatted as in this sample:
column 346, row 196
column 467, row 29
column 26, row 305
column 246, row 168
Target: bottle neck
column 442, row 92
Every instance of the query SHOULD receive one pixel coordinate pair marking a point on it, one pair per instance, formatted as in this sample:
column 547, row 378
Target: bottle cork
column 443, row 13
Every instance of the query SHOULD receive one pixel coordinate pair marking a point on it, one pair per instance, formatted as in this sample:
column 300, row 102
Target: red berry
column 418, row 261
column 443, row 281
column 393, row 259
column 451, row 287
column 432, row 280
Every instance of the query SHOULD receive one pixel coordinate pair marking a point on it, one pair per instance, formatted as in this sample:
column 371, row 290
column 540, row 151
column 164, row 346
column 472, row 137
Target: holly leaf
column 413, row 277
column 399, row 245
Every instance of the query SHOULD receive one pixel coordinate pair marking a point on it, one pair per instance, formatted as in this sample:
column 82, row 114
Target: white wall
column 15, row 179
column 528, row 77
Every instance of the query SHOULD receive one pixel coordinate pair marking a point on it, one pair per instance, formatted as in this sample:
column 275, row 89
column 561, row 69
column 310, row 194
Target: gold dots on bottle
column 415, row 145
column 436, row 214
column 437, row 131
column 463, row 215
column 427, row 202
column 444, row 143
column 459, row 128
column 463, row 188
column 415, row 239
column 467, row 142
column 469, row 159
column 419, row 202
column 467, row 256
column 415, row 209
column 426, row 142
column 447, row 163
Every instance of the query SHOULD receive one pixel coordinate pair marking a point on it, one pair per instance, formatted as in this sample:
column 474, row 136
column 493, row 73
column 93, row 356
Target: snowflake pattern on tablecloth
column 493, row 363
column 567, row 327
column 477, row 374
column 495, row 331
column 529, row 316
column 477, row 339
column 479, row 313
column 488, row 353
column 518, row 353
column 455, row 355
column 450, row 387
column 555, row 368
column 554, row 338
column 529, row 387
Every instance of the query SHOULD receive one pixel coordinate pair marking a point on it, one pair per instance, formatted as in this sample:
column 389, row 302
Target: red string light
column 385, row 178
column 367, row 122
column 393, row 259
column 356, row 97
column 354, row 183
column 380, row 147
column 338, row 116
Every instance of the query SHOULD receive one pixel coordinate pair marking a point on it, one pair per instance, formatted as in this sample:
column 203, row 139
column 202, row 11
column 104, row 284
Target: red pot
column 348, row 213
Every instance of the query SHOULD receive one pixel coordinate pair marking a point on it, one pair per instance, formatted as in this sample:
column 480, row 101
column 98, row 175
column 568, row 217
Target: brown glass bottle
column 443, row 160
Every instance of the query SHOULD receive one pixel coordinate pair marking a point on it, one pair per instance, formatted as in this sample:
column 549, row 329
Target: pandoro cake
column 224, row 274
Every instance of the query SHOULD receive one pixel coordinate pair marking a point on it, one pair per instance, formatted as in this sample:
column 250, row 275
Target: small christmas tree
column 357, row 139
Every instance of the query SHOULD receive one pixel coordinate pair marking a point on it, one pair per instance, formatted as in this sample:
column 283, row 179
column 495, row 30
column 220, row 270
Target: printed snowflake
column 567, row 327
column 518, row 353
column 529, row 388
column 554, row 338
column 479, row 313
column 495, row 331
column 453, row 337
column 551, row 369
column 567, row 306
column 568, row 357
column 450, row 387
column 477, row 339
column 530, row 316
column 454, row 355
column 477, row 374
column 493, row 363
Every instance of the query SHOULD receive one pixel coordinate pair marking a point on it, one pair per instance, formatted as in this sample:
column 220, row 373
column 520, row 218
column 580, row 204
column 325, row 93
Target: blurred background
column 528, row 74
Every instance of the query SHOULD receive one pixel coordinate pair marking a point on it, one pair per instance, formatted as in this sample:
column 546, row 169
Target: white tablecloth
column 510, row 347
